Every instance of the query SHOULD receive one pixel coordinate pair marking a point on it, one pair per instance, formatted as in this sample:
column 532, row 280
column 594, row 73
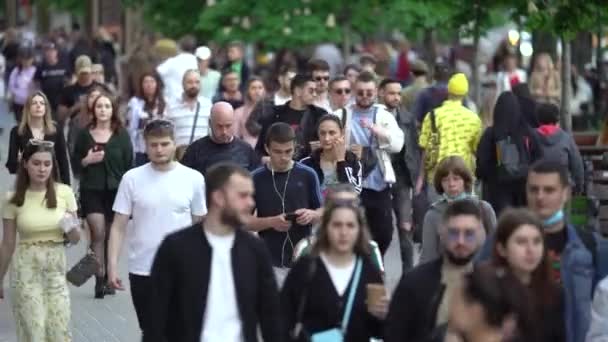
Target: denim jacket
column 578, row 277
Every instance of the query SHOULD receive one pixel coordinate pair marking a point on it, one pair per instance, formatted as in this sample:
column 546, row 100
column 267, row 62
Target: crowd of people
column 248, row 212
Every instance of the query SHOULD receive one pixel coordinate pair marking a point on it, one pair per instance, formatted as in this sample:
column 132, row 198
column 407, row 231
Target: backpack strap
column 433, row 121
column 344, row 117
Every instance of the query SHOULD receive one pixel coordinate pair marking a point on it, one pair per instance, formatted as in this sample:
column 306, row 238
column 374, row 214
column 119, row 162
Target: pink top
column 241, row 116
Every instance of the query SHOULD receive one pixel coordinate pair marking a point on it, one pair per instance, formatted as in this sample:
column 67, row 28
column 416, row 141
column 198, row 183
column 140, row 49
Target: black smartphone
column 291, row 217
column 98, row 147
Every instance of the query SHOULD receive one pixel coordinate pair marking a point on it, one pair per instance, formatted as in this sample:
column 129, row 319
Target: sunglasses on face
column 365, row 93
column 321, row 78
column 342, row 91
column 454, row 234
column 43, row 143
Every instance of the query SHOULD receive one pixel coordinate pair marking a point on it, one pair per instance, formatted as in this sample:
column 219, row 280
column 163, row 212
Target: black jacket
column 180, row 278
column 347, row 171
column 407, row 162
column 308, row 129
column 324, row 308
column 413, row 310
column 18, row 142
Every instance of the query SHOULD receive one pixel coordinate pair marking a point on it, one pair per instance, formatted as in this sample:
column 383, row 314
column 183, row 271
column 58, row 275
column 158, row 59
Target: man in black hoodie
column 299, row 113
column 559, row 146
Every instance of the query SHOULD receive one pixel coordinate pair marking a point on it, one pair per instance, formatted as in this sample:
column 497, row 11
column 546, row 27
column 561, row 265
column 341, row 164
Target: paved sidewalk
column 113, row 318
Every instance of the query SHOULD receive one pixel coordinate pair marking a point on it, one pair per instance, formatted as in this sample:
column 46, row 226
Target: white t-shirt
column 160, row 203
column 222, row 321
column 183, row 116
column 340, row 276
column 172, row 72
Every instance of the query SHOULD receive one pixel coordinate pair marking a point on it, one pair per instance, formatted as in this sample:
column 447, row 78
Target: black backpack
column 511, row 163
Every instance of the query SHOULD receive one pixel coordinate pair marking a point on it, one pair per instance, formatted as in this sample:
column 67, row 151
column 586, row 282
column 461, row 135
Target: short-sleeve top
column 34, row 221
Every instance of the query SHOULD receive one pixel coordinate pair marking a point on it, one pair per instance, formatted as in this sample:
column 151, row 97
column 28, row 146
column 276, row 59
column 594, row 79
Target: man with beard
column 213, row 281
column 372, row 133
column 143, row 195
column 221, row 144
column 406, row 165
column 190, row 114
column 420, row 305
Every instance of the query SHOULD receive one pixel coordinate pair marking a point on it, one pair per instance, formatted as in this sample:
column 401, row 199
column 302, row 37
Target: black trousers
column 141, row 294
column 379, row 214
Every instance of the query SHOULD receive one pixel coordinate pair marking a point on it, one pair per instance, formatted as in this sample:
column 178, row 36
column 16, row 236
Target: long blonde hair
column 49, row 125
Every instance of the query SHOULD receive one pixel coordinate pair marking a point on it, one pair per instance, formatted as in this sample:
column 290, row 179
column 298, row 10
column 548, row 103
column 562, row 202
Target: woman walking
column 42, row 213
column 105, row 154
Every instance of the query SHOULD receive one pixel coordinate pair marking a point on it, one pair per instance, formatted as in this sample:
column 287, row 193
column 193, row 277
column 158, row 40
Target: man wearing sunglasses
column 372, row 133
column 319, row 69
column 339, row 93
column 420, row 304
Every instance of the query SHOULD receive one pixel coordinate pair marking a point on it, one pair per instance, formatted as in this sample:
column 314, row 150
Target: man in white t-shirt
column 190, row 113
column 161, row 196
column 172, row 70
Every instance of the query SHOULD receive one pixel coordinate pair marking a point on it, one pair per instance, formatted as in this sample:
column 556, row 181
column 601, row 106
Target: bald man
column 221, row 144
column 190, row 113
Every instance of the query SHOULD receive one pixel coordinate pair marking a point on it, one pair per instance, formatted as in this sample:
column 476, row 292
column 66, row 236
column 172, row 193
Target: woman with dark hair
column 325, row 292
column 332, row 162
column 82, row 119
column 42, row 212
column 104, row 154
column 491, row 306
column 453, row 181
column 37, row 123
column 255, row 92
column 526, row 104
column 520, row 248
column 512, row 138
column 20, row 80
column 147, row 105
column 229, row 91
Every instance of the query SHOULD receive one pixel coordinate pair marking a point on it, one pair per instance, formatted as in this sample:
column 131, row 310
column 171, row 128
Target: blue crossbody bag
column 337, row 334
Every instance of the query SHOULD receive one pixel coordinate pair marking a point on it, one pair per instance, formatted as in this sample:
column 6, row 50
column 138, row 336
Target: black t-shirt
column 71, row 94
column 302, row 192
column 205, row 153
column 556, row 242
column 52, row 80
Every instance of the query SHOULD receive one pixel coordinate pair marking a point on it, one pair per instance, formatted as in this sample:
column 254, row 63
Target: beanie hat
column 458, row 85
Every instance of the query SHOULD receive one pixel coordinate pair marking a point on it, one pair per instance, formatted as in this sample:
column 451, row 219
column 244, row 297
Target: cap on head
column 83, row 64
column 48, row 46
column 420, row 66
column 458, row 85
column 203, row 52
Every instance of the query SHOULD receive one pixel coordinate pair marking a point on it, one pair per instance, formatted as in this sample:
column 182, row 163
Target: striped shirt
column 183, row 117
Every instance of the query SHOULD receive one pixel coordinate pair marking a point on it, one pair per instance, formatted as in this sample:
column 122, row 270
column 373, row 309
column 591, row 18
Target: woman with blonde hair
column 37, row 123
column 42, row 212
column 545, row 83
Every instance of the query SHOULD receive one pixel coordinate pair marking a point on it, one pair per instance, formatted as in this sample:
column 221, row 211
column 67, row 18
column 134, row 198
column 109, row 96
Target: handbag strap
column 351, row 295
column 312, row 269
column 198, row 107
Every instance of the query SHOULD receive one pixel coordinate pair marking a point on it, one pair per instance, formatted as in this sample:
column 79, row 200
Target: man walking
column 406, row 164
column 52, row 75
column 221, row 144
column 319, row 69
column 190, row 113
column 161, row 197
column 213, row 281
column 210, row 78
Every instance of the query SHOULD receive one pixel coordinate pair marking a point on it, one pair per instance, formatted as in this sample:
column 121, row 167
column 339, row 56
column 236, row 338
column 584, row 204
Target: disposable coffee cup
column 375, row 293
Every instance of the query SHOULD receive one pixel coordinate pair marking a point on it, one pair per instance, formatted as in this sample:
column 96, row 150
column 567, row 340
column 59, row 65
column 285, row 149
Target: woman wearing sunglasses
column 42, row 212
column 103, row 154
column 37, row 123
column 337, row 290
column 453, row 181
column 520, row 248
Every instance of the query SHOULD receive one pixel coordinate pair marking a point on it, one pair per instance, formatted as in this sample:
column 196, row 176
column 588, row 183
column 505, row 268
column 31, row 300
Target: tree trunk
column 582, row 50
column 476, row 96
column 430, row 37
column 565, row 116
column 11, row 13
column 346, row 41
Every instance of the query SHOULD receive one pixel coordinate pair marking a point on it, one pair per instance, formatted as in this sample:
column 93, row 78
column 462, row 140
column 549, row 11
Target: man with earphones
column 287, row 197
column 221, row 144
